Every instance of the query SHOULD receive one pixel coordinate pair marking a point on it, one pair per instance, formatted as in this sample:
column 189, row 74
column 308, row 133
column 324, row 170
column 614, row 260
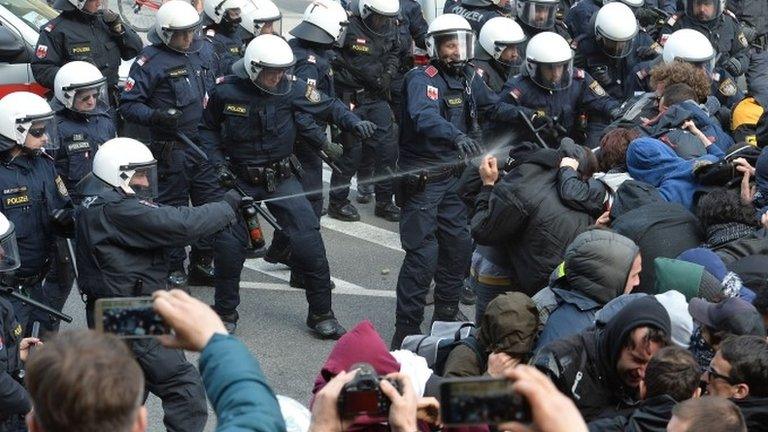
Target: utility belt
column 269, row 175
column 408, row 184
column 360, row 97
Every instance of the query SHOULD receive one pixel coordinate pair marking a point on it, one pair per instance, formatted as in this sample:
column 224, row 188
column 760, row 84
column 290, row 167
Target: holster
column 269, row 175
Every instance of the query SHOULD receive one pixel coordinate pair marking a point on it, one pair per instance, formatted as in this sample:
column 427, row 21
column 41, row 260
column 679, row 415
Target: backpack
column 442, row 339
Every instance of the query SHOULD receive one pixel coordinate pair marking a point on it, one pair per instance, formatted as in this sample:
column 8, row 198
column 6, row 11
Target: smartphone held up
column 481, row 401
column 129, row 317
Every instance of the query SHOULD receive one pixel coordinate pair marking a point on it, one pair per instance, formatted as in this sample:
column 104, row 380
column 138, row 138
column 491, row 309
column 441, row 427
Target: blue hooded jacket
column 651, row 161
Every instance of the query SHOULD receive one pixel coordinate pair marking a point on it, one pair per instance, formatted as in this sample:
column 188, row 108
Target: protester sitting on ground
column 672, row 376
column 658, row 227
column 88, row 381
column 504, row 338
column 612, row 157
column 707, row 413
column 599, row 265
column 730, row 226
column 601, row 368
column 579, row 193
column 739, row 371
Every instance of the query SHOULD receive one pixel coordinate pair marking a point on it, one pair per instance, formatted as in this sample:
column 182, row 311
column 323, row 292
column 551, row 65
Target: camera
column 480, row 401
column 363, row 396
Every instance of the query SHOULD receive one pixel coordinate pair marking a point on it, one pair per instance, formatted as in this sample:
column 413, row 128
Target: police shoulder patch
column 578, row 73
column 728, row 87
column 432, row 92
column 480, row 72
column 312, row 82
column 61, row 187
column 311, row 59
column 730, row 14
column 431, row 71
column 715, row 76
column 17, row 330
column 49, row 27
column 129, row 84
column 312, row 95
column 210, row 32
column 743, row 40
column 642, row 74
column 41, row 52
column 673, row 19
column 142, row 60
column 597, row 89
column 515, row 93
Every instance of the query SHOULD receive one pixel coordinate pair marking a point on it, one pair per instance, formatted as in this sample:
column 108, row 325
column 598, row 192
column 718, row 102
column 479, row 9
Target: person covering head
column 450, row 41
column 177, row 25
column 27, row 121
column 267, row 62
column 691, row 279
column 127, row 165
column 732, row 316
column 731, row 282
column 509, row 324
column 80, row 87
column 549, row 61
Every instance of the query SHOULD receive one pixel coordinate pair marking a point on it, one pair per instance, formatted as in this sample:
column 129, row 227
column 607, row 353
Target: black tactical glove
column 602, row 75
column 733, row 66
column 333, row 150
column 646, row 53
column 224, row 176
column 64, row 219
column 542, row 121
column 234, row 200
column 467, row 147
column 168, row 117
column 365, row 129
column 113, row 21
column 647, row 16
column 750, row 33
column 385, row 83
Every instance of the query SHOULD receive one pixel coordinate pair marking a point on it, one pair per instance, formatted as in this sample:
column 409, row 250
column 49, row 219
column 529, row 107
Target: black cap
column 733, row 315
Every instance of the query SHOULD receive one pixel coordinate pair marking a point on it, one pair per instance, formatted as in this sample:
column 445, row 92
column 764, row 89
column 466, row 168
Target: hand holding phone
column 129, row 317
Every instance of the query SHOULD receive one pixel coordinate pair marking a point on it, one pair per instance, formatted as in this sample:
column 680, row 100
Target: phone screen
column 479, row 401
column 129, row 317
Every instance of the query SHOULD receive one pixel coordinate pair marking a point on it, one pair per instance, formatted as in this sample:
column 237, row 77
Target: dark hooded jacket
column 669, row 129
column 652, row 415
column 509, row 325
column 583, row 366
column 659, row 228
column 595, row 272
column 755, row 410
column 525, row 214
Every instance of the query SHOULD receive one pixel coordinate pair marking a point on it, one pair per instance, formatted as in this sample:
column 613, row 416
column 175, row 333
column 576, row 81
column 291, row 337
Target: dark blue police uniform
column 610, row 72
column 475, row 15
column 440, row 108
column 162, row 78
column 255, row 131
column 226, row 47
column 14, row 400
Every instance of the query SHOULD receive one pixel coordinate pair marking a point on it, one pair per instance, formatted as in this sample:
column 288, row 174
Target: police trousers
column 312, row 177
column 382, row 148
column 435, row 235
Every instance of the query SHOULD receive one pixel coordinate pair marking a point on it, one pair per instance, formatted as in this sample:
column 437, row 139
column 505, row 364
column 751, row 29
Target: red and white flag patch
column 41, row 52
column 129, row 83
column 361, row 41
column 432, row 92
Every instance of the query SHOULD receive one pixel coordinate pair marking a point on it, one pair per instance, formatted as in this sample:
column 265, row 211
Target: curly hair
column 681, row 72
column 613, row 148
column 723, row 206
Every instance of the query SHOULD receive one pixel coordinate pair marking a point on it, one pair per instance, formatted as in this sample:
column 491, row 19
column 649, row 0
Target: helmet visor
column 537, row 15
column 274, row 80
column 380, row 24
column 270, row 26
column 454, row 46
column 9, row 251
column 87, row 98
column 551, row 76
column 703, row 10
column 143, row 180
column 509, row 54
column 182, row 40
column 37, row 133
column 616, row 49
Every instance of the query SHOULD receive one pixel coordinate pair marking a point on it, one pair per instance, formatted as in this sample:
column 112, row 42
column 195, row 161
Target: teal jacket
column 237, row 389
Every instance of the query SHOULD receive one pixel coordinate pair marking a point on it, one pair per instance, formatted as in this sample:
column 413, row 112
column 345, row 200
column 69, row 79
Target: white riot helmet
column 324, row 22
column 615, row 29
column 689, row 46
column 262, row 17
column 173, row 16
column 549, row 61
column 217, row 10
column 80, row 86
column 267, row 62
column 633, row 4
column 500, row 34
column 27, row 120
column 127, row 165
column 378, row 15
column 448, row 28
column 539, row 14
column 704, row 10
column 9, row 249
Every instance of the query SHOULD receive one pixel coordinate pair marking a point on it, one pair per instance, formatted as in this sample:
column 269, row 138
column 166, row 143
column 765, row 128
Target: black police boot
column 467, row 295
column 346, row 212
column 297, row 281
column 364, row 193
column 401, row 331
column 278, row 252
column 388, row 211
column 448, row 312
column 177, row 278
column 326, row 326
column 201, row 270
column 230, row 320
column 364, row 198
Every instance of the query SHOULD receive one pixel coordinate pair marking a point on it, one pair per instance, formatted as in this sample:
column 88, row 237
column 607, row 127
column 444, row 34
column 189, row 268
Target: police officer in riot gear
column 719, row 25
column 439, row 135
column 250, row 120
column 363, row 74
column 82, row 120
column 478, row 12
column 222, row 20
column 579, row 17
column 608, row 53
column 500, row 56
column 555, row 96
column 536, row 16
column 260, row 17
column 122, row 237
column 84, row 32
column 165, row 91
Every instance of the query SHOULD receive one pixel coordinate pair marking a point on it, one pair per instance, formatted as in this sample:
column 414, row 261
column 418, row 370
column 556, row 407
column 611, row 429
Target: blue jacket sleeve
column 136, row 95
column 210, row 129
column 490, row 106
column 425, row 112
column 237, row 389
column 323, row 107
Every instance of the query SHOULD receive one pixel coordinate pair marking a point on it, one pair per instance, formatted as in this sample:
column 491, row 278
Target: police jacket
column 492, row 74
column 75, row 35
column 364, row 58
column 162, row 78
column 253, row 127
column 14, row 399
column 32, row 191
column 313, row 65
column 438, row 109
column 753, row 13
column 80, row 135
column 724, row 32
column 477, row 16
column 610, row 72
column 122, row 241
column 579, row 17
column 412, row 25
column 584, row 95
column 226, row 48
